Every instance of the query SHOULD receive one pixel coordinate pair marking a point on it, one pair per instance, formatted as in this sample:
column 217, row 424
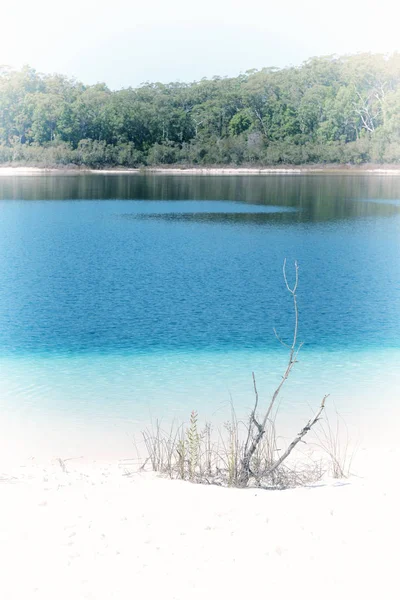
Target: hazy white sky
column 126, row 42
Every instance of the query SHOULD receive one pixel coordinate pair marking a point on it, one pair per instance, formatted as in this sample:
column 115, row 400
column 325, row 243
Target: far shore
column 7, row 171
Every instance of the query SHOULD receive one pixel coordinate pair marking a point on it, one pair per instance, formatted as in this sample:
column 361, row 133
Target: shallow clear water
column 123, row 295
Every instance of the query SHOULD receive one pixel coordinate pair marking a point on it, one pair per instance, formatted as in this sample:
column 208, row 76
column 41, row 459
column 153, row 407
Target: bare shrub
column 257, row 425
column 214, row 457
column 241, row 454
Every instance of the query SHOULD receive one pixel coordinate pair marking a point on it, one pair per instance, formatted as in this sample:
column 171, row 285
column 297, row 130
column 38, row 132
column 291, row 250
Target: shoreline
column 7, row 171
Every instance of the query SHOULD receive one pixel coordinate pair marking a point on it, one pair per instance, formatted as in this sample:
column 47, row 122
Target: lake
column 129, row 297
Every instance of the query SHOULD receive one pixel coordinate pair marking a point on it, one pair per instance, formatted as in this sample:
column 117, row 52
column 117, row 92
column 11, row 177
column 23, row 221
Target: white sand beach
column 96, row 531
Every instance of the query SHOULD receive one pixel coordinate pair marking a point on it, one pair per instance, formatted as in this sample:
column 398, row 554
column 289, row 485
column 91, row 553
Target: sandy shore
column 98, row 532
column 332, row 169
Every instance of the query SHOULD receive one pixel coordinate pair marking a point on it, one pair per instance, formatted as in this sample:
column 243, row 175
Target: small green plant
column 193, row 442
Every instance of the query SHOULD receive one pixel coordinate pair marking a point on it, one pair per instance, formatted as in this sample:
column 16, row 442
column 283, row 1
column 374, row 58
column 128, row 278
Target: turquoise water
column 123, row 296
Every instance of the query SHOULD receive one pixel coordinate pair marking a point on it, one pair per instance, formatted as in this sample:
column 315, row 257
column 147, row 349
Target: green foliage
column 188, row 449
column 240, row 122
column 193, row 441
column 330, row 109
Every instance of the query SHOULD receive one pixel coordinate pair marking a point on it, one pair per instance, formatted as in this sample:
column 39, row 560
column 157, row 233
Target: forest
column 334, row 109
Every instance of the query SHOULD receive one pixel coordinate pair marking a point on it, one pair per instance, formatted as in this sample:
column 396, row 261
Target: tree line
column 328, row 110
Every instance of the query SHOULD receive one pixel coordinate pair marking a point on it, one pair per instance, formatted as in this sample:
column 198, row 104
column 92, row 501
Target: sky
column 125, row 42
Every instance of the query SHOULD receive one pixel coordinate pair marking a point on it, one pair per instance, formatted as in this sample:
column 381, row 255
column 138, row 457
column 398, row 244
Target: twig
column 299, row 437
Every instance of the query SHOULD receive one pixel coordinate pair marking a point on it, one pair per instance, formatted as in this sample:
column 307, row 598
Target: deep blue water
column 112, row 274
column 128, row 297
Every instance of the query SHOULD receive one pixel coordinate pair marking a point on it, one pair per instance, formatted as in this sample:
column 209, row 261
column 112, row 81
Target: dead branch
column 255, row 438
column 299, row 437
column 252, row 421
